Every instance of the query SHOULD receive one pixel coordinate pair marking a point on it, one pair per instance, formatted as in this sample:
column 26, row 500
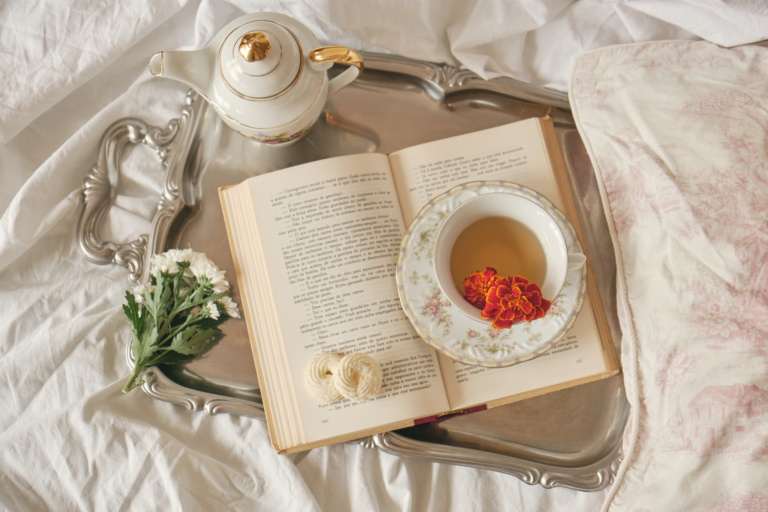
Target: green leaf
column 152, row 302
column 171, row 357
column 142, row 348
column 165, row 300
column 148, row 345
column 207, row 323
column 135, row 345
column 191, row 341
column 158, row 301
column 178, row 278
column 200, row 296
column 181, row 340
column 202, row 337
column 132, row 311
column 136, row 316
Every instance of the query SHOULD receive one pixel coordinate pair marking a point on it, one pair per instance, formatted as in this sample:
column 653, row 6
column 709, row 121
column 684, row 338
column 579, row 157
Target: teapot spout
column 192, row 68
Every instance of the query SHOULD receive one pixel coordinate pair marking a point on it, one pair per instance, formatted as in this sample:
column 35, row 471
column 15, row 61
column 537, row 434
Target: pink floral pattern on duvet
column 678, row 135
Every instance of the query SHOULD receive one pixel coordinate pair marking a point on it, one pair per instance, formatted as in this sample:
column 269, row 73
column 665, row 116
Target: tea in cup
column 509, row 233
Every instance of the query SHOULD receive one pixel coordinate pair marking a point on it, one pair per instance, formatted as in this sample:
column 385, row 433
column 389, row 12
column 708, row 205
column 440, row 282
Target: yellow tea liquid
column 499, row 242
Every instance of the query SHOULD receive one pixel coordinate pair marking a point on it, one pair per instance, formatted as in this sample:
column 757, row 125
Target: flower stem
column 176, row 330
column 131, row 384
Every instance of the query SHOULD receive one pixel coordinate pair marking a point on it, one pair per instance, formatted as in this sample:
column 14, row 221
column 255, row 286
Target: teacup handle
column 342, row 55
column 576, row 260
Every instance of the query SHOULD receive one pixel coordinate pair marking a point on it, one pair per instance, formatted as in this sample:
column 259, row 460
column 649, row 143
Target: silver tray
column 571, row 438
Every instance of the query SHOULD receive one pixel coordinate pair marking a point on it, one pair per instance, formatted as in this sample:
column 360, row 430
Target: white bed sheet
column 68, row 438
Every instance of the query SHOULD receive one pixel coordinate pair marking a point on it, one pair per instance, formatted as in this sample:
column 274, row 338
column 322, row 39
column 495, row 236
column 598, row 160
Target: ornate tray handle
column 100, row 189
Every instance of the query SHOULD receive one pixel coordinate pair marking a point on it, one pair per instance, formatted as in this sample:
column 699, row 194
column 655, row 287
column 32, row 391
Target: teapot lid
column 260, row 60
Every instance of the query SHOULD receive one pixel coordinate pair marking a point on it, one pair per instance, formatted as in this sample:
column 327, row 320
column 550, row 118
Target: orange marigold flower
column 513, row 299
column 476, row 286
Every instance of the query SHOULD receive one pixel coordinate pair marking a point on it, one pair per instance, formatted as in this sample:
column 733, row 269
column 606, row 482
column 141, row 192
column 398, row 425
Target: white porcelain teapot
column 265, row 74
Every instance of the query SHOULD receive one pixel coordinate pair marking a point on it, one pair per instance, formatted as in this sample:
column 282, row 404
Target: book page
column 330, row 234
column 515, row 152
column 575, row 357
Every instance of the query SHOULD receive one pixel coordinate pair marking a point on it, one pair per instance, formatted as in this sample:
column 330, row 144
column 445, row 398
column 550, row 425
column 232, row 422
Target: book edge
column 352, row 436
column 271, row 427
column 546, row 125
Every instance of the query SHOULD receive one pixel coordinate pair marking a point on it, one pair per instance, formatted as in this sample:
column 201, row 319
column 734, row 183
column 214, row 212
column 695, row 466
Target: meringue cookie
column 358, row 377
column 319, row 377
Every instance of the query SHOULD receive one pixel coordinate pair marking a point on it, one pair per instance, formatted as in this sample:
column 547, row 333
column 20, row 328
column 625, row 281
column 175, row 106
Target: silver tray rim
column 173, row 146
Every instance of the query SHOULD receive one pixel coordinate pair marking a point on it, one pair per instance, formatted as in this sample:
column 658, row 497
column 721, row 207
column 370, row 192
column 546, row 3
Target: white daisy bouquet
column 177, row 312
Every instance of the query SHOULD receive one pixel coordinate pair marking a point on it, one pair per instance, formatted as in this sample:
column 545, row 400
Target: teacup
column 517, row 208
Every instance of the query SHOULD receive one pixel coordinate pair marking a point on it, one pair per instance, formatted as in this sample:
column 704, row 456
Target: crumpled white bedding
column 68, row 438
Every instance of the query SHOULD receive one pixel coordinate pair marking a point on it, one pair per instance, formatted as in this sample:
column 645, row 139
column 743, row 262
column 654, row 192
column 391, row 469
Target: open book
column 315, row 249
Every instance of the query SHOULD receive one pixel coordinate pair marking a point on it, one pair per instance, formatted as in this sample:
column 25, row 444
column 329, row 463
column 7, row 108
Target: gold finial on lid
column 255, row 46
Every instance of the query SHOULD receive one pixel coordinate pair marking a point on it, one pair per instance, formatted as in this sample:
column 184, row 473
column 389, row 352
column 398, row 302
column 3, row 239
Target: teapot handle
column 342, row 55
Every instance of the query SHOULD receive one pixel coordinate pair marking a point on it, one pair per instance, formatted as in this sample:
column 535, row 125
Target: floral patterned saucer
column 448, row 330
